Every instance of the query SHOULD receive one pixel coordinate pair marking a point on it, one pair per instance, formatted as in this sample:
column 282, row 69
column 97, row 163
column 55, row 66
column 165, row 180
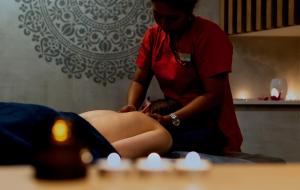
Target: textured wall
column 70, row 54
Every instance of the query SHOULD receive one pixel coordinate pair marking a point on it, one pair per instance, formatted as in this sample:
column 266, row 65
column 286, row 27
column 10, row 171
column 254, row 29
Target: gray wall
column 271, row 130
column 24, row 77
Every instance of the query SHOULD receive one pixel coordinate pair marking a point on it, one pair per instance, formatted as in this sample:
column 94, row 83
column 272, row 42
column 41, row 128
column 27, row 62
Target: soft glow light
column 291, row 95
column 114, row 164
column 114, row 160
column 192, row 163
column 192, row 160
column 243, row 94
column 154, row 164
column 275, row 92
column 154, row 161
column 61, row 131
column 86, row 156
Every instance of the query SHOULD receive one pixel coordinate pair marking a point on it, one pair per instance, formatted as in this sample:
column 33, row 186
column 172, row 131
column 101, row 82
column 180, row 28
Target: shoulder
column 153, row 29
column 205, row 30
column 153, row 34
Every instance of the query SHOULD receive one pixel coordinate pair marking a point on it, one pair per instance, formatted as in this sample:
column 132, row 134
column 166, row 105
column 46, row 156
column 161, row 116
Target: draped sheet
column 24, row 128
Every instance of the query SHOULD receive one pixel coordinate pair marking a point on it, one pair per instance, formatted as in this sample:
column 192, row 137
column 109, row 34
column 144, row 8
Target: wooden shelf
column 289, row 31
column 267, row 102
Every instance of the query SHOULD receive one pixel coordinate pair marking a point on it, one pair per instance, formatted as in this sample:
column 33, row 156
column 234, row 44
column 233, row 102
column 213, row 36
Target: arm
column 214, row 93
column 143, row 75
column 213, row 59
column 139, row 86
column 138, row 89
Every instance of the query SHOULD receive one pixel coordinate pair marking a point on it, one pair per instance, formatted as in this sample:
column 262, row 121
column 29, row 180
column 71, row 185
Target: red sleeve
column 144, row 56
column 213, row 52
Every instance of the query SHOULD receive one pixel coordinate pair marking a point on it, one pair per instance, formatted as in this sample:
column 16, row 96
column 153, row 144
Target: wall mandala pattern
column 97, row 39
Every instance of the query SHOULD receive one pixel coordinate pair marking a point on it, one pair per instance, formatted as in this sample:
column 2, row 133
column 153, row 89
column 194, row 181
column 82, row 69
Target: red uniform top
column 206, row 51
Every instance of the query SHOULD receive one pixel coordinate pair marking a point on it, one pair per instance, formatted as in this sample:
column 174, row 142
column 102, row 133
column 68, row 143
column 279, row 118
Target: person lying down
column 24, row 128
column 132, row 134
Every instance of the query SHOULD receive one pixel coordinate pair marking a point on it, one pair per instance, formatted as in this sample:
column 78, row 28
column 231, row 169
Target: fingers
column 127, row 108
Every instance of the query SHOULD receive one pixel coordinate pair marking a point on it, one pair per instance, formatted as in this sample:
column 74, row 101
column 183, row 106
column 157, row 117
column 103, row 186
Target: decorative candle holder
column 192, row 163
column 59, row 153
column 154, row 164
column 114, row 165
column 278, row 89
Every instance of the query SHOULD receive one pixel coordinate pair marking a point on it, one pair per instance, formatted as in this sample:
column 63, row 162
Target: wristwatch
column 175, row 120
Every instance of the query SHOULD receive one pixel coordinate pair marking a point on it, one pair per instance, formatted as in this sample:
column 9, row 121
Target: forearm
column 199, row 105
column 214, row 94
column 136, row 94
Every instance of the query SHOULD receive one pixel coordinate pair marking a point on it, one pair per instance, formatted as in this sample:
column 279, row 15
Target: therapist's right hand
column 127, row 108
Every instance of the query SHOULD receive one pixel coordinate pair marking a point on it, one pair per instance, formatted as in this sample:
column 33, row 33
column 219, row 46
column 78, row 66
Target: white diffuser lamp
column 278, row 89
column 114, row 164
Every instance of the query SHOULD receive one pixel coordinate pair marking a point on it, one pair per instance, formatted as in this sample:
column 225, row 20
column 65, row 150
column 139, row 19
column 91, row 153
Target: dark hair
column 164, row 106
column 185, row 5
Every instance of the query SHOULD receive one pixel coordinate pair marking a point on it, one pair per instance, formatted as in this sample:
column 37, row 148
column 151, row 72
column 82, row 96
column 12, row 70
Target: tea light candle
column 192, row 163
column 114, row 163
column 154, row 163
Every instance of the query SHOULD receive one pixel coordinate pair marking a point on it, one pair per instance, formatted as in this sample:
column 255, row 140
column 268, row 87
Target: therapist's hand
column 127, row 108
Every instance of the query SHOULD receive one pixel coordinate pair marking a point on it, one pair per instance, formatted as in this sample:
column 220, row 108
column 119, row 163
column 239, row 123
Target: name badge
column 185, row 57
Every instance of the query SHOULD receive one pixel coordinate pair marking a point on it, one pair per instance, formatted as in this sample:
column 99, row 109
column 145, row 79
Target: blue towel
column 25, row 128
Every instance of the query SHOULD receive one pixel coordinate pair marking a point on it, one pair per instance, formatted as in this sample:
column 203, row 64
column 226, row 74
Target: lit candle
column 60, row 156
column 114, row 164
column 243, row 94
column 192, row 163
column 154, row 163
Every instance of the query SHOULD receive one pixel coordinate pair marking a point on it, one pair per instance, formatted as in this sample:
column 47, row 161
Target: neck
column 186, row 27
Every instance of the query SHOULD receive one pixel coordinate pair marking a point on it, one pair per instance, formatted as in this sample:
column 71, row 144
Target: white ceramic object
column 281, row 87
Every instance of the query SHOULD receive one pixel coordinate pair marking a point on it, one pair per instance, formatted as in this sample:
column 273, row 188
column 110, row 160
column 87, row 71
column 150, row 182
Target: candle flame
column 274, row 92
column 243, row 94
column 61, row 131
